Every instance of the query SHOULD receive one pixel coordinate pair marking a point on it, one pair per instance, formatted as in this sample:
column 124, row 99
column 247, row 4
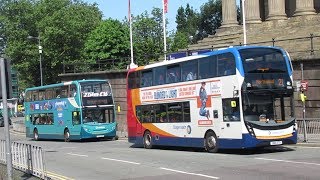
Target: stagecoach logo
column 179, row 127
column 92, row 94
column 189, row 129
column 60, row 105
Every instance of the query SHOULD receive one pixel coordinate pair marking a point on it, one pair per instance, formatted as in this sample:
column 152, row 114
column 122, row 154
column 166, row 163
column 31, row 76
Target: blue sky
column 118, row 9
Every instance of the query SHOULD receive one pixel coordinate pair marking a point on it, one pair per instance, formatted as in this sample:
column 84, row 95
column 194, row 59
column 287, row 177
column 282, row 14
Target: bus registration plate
column 100, row 136
column 272, row 143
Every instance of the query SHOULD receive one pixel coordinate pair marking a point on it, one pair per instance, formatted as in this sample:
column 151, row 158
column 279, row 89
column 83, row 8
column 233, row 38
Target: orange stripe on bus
column 156, row 130
column 274, row 137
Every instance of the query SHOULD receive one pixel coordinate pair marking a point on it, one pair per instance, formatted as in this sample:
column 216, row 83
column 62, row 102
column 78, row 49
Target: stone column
column 304, row 7
column 229, row 13
column 252, row 9
column 277, row 10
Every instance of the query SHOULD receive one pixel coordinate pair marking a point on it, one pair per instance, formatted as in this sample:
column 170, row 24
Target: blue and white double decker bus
column 232, row 98
column 72, row 110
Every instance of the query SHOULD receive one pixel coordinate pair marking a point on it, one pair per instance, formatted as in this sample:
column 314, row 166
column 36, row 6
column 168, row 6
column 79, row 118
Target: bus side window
column 208, row 67
column 189, row 70
column 49, row 93
column 28, row 96
column 41, row 95
column 64, row 92
column 72, row 91
column 146, row 79
column 35, row 96
column 173, row 74
column 226, row 64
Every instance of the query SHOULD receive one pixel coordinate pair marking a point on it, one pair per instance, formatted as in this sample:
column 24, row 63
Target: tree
column 187, row 20
column 210, row 18
column 110, row 40
column 148, row 37
column 63, row 27
column 180, row 41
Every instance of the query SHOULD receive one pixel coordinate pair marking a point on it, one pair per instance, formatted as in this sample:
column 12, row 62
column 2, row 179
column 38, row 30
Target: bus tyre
column 211, row 142
column 147, row 140
column 35, row 135
column 66, row 135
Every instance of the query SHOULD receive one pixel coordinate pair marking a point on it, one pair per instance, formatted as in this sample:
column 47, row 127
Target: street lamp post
column 40, row 53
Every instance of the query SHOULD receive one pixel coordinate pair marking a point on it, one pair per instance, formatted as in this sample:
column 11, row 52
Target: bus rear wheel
column 66, row 135
column 35, row 135
column 147, row 140
column 211, row 142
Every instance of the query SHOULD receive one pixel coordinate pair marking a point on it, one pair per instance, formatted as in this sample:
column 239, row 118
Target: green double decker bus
column 74, row 110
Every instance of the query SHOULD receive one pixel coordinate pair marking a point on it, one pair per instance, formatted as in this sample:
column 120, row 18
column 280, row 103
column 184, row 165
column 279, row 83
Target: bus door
column 139, row 115
column 217, row 114
column 75, row 129
column 231, row 124
column 226, row 118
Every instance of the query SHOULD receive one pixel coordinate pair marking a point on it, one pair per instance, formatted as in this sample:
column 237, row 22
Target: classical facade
column 291, row 24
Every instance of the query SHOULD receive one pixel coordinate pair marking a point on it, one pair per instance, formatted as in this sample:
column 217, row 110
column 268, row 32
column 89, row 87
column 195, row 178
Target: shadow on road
column 253, row 151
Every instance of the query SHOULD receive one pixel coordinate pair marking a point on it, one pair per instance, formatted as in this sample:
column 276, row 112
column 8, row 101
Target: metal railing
column 25, row 157
column 312, row 131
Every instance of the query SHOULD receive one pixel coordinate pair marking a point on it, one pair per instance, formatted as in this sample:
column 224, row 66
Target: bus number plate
column 275, row 143
column 100, row 136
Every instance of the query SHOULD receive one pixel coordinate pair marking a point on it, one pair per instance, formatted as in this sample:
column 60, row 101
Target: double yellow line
column 57, row 176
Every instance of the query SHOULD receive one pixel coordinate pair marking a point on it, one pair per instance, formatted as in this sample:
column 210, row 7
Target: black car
column 2, row 121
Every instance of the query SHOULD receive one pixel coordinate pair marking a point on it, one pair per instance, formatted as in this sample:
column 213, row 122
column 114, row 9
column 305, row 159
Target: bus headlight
column 288, row 83
column 86, row 129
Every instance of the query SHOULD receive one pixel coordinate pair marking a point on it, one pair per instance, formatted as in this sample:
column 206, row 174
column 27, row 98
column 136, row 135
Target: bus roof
column 65, row 83
column 214, row 52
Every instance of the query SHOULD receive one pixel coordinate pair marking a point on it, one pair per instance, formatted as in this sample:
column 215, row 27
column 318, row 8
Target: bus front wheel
column 66, row 135
column 147, row 140
column 211, row 142
column 35, row 135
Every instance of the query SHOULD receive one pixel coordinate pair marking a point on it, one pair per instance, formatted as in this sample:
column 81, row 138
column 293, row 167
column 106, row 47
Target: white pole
column 132, row 65
column 164, row 30
column 244, row 23
column 6, row 118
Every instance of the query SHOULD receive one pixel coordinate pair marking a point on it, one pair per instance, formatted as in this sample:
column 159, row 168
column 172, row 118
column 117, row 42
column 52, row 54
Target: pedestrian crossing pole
column 6, row 119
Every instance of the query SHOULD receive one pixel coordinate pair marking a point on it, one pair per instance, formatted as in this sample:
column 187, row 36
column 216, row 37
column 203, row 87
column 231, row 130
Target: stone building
column 291, row 24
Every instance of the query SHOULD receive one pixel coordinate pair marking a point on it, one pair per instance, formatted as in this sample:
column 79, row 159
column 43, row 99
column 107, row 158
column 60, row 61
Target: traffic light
column 8, row 78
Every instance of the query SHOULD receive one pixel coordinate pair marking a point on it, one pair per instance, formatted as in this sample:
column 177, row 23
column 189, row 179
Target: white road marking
column 307, row 147
column 194, row 174
column 68, row 147
column 81, row 155
column 295, row 162
column 119, row 160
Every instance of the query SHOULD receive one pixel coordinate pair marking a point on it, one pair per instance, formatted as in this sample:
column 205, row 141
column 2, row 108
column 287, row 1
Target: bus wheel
column 35, row 135
column 147, row 140
column 211, row 142
column 66, row 135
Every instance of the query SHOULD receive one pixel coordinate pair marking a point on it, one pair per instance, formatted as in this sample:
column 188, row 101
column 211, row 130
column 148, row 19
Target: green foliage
column 63, row 27
column 148, row 37
column 180, row 41
column 187, row 20
column 109, row 41
column 210, row 18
